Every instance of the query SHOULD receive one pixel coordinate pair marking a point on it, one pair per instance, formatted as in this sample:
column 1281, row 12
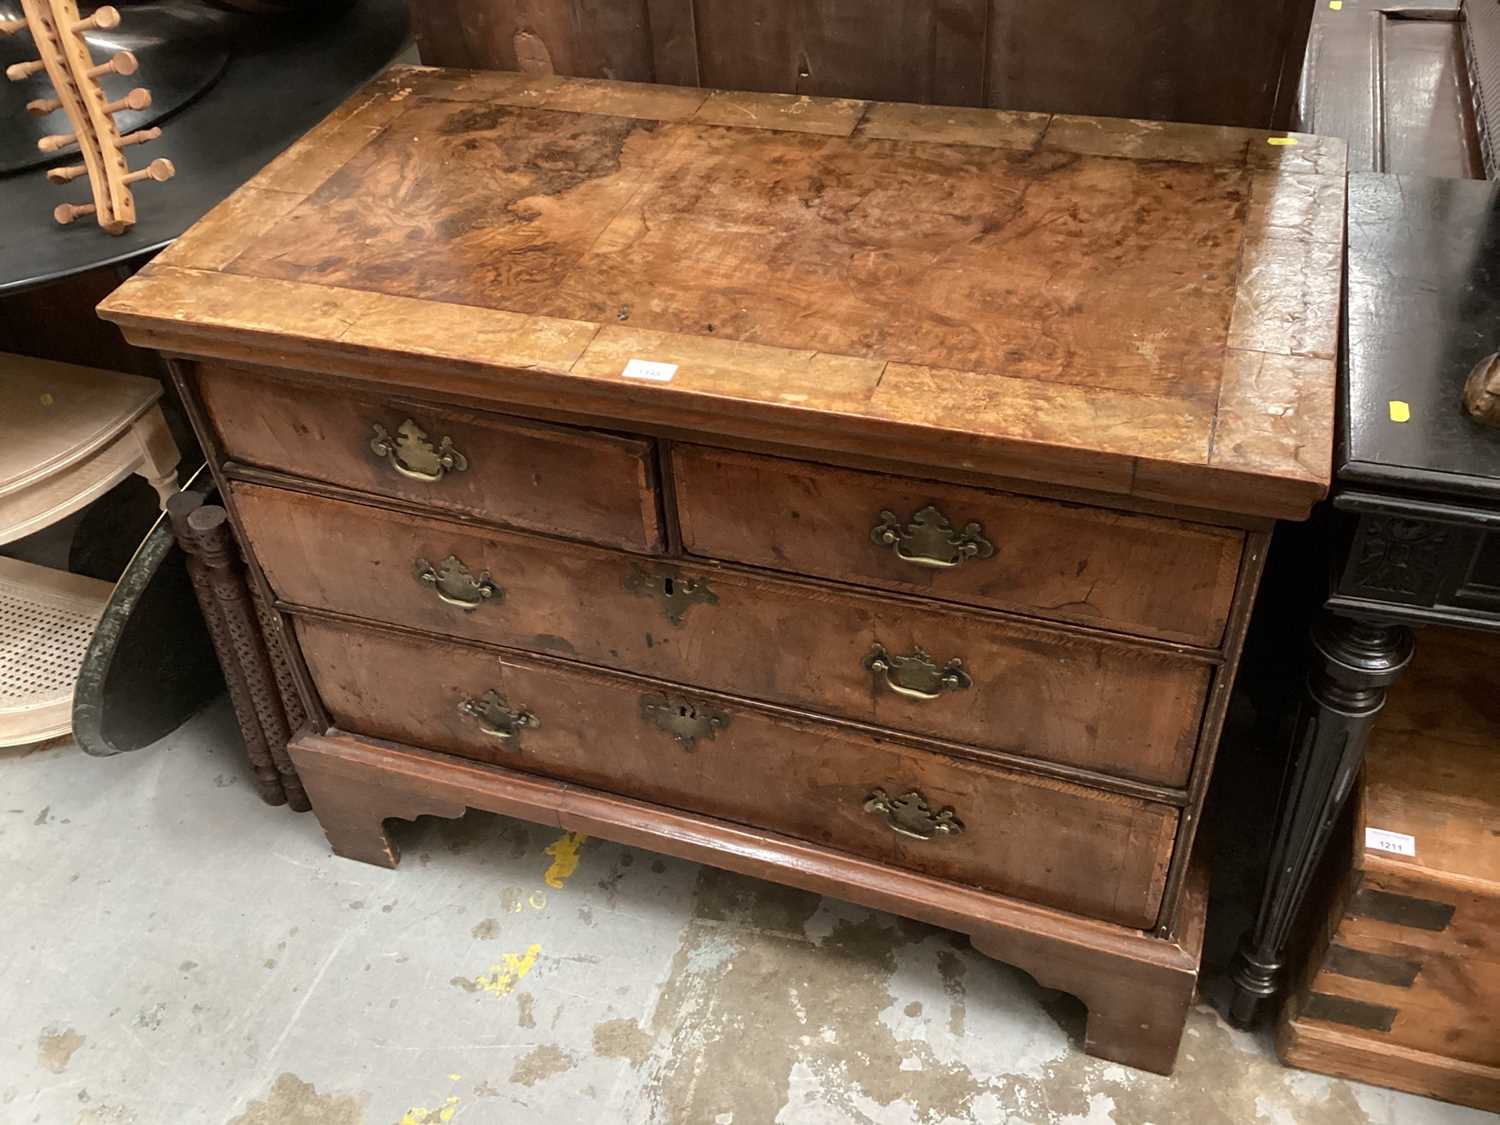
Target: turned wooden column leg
column 353, row 806
column 1352, row 666
column 159, row 453
column 216, row 549
column 286, row 683
column 267, row 779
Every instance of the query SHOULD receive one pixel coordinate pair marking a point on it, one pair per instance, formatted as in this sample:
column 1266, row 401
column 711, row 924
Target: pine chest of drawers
column 865, row 496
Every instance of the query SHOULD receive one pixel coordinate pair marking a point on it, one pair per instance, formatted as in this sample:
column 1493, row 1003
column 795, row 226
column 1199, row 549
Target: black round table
column 151, row 664
column 280, row 78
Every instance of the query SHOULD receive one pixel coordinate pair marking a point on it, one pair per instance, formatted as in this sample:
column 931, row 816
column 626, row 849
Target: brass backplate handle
column 673, row 590
column 497, row 718
column 929, row 539
column 685, row 719
column 910, row 815
column 917, row 676
column 454, row 584
column 412, row 455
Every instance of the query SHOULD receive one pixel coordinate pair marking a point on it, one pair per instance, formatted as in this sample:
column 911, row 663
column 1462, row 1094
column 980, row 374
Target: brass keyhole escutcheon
column 685, row 719
column 675, row 591
column 910, row 815
column 930, row 540
column 413, row 456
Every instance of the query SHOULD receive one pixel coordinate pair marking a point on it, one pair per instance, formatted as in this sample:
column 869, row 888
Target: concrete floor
column 174, row 952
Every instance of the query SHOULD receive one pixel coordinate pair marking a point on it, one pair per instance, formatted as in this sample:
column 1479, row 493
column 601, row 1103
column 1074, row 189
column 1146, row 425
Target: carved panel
column 1397, row 558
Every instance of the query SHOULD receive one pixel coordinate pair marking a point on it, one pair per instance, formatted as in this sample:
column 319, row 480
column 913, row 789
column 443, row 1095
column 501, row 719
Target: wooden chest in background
column 1402, row 982
column 1121, row 58
column 866, row 496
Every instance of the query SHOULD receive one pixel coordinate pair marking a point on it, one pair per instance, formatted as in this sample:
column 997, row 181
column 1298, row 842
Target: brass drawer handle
column 454, row 584
column 497, row 718
column 929, row 539
column 412, row 455
column 910, row 815
column 686, row 720
column 916, row 676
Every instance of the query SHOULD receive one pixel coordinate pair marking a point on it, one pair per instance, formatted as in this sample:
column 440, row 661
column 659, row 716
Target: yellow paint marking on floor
column 564, row 853
column 504, row 977
column 421, row 1115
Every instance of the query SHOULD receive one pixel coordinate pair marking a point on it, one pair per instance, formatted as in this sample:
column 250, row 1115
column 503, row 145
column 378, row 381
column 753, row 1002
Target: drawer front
column 1043, row 693
column 1062, row 845
column 1143, row 575
column 571, row 482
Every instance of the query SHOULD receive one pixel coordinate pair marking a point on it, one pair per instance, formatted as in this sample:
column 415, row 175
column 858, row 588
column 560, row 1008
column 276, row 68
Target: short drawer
column 1143, row 575
column 553, row 479
column 1062, row 845
column 998, row 684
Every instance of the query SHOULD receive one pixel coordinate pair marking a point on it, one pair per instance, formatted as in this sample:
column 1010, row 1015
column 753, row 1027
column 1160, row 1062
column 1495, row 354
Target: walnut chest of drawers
column 869, row 497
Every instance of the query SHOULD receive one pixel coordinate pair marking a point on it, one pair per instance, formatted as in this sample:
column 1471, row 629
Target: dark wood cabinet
column 1122, row 58
column 1415, row 508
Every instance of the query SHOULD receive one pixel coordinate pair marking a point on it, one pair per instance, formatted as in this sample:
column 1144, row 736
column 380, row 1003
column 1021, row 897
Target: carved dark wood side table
column 1416, row 506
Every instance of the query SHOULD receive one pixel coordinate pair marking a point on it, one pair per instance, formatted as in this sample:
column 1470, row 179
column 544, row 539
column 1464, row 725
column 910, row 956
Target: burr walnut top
column 1133, row 308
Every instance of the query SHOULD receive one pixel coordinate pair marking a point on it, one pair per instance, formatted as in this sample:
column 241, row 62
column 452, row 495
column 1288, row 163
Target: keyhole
column 668, row 587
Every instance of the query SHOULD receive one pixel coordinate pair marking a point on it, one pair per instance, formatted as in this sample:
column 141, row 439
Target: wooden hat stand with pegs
column 57, row 29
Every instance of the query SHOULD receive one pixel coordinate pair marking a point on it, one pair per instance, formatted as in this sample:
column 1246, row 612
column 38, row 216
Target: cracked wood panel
column 1060, row 299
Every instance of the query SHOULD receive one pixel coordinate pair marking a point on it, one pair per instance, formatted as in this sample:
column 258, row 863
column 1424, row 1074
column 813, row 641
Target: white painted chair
column 67, row 436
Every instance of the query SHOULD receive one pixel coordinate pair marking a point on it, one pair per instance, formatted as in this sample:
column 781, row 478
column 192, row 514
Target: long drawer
column 1136, row 574
column 1057, row 695
column 1058, row 844
column 572, row 482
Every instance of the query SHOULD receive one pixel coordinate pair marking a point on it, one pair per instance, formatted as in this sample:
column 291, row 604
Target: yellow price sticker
column 1336, row 5
column 1400, row 411
column 1281, row 142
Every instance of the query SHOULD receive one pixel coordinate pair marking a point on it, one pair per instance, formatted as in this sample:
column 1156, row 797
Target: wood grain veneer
column 1037, row 692
column 564, row 481
column 1056, row 561
column 1062, row 845
column 1085, row 300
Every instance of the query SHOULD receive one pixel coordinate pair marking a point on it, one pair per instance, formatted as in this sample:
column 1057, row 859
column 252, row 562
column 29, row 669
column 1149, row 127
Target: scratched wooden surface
column 1140, row 308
